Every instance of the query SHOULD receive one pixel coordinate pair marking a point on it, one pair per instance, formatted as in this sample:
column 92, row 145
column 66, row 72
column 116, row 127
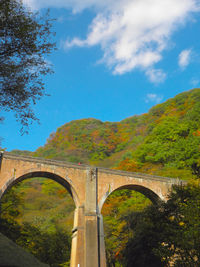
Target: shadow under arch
column 57, row 178
column 138, row 188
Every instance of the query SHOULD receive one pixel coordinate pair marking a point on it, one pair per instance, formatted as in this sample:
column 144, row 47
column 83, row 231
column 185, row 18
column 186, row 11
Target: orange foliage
column 128, row 165
column 197, row 133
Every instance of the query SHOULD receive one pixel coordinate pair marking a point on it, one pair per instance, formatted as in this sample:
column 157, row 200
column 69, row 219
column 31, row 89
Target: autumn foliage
column 165, row 141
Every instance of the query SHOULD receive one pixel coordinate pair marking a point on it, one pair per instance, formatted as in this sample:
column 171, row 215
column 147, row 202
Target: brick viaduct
column 89, row 188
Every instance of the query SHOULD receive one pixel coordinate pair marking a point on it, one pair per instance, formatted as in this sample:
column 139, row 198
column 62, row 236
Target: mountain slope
column 164, row 141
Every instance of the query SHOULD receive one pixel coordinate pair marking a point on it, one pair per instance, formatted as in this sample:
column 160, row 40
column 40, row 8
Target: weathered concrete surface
column 91, row 219
column 89, row 188
column 12, row 255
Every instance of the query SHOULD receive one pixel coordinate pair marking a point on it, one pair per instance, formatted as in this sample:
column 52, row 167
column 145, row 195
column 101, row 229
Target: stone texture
column 89, row 188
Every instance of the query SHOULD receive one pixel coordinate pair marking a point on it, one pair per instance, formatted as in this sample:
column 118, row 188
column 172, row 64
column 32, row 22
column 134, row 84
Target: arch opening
column 45, row 217
column 66, row 183
column 118, row 209
column 143, row 190
column 138, row 188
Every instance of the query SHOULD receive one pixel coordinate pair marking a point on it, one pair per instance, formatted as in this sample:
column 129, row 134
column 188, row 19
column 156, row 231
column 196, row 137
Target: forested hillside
column 165, row 141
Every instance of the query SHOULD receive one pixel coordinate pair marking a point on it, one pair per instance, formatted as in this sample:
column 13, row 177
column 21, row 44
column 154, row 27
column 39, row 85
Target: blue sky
column 115, row 59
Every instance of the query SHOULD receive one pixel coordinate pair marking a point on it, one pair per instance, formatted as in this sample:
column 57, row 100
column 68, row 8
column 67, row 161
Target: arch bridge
column 89, row 188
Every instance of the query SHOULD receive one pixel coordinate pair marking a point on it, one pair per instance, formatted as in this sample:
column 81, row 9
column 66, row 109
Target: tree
column 117, row 230
column 173, row 142
column 168, row 232
column 24, row 41
column 52, row 246
column 10, row 205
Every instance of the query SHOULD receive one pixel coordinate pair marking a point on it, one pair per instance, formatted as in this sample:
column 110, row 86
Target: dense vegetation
column 38, row 215
column 116, row 213
column 165, row 141
column 167, row 234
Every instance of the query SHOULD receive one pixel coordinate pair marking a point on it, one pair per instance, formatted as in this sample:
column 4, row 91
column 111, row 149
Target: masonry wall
column 89, row 187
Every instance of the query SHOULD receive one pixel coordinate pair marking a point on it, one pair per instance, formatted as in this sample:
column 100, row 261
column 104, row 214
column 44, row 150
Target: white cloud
column 74, row 42
column 195, row 82
column 156, row 75
column 153, row 98
column 30, row 3
column 184, row 58
column 74, row 5
column 131, row 33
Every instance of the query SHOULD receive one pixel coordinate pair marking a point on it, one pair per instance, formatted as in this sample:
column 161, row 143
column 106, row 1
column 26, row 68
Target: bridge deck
column 9, row 155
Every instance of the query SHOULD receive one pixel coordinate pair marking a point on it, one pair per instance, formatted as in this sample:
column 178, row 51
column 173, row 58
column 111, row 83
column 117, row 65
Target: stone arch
column 139, row 188
column 66, row 183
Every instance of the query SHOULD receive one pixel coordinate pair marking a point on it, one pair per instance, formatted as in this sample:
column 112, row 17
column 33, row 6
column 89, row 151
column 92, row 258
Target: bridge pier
column 88, row 249
column 91, row 241
column 77, row 251
column 92, row 257
column 102, row 243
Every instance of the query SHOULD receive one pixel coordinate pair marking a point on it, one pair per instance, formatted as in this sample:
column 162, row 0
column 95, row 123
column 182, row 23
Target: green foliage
column 21, row 152
column 49, row 247
column 11, row 202
column 127, row 155
column 38, row 215
column 52, row 248
column 24, row 40
column 85, row 141
column 121, row 146
column 172, row 141
column 165, row 140
column 167, row 232
column 115, row 211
